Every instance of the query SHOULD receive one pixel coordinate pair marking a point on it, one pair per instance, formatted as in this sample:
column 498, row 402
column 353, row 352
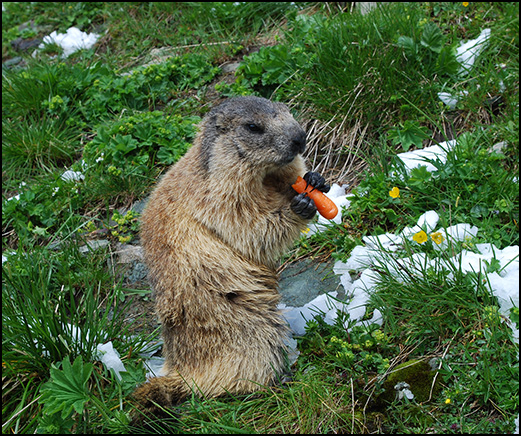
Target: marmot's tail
column 165, row 391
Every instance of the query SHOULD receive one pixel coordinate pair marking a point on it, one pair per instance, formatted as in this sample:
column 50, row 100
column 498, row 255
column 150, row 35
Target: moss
column 418, row 374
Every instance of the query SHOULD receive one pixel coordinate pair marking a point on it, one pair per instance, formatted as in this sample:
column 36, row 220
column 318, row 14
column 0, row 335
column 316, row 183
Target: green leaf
column 409, row 46
column 447, row 62
column 410, row 133
column 493, row 265
column 40, row 231
column 478, row 211
column 419, row 175
column 125, row 144
column 67, row 388
column 432, row 38
column 391, row 215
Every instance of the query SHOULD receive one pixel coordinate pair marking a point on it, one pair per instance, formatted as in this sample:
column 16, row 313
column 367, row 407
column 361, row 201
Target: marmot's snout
column 295, row 145
column 298, row 142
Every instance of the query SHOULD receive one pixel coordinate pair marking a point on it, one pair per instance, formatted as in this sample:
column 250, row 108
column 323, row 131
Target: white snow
column 70, row 175
column 110, row 358
column 328, row 304
column 385, row 250
column 154, row 366
column 451, row 100
column 74, row 39
column 466, row 55
column 417, row 158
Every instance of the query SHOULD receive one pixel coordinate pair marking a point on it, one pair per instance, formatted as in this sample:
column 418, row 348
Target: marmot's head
column 251, row 129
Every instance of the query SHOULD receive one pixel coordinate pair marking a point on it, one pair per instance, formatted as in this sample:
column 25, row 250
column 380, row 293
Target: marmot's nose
column 298, row 142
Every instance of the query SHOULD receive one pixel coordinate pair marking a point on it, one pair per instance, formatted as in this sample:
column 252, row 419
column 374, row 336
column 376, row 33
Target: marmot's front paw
column 317, row 181
column 303, row 206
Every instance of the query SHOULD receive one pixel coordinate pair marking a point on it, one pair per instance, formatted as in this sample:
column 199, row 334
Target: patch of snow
column 73, row 40
column 467, row 53
column 428, row 221
column 154, row 366
column 386, row 241
column 14, row 197
column 74, row 176
column 382, row 250
column 107, row 354
column 328, row 305
column 451, row 100
column 416, row 158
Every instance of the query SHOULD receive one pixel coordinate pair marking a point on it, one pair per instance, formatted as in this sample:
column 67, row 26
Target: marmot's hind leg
column 160, row 391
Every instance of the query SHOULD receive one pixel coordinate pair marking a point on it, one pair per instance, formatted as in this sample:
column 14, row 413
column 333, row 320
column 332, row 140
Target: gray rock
column 94, row 245
column 139, row 206
column 137, row 273
column 130, row 257
column 21, row 44
column 304, row 280
column 14, row 62
column 127, row 253
column 230, row 67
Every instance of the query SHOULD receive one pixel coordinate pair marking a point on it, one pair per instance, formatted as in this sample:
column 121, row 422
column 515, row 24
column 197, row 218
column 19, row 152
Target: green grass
column 365, row 88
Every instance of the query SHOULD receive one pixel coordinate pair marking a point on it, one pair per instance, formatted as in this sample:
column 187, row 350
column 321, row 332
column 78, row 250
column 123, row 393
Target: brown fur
column 213, row 231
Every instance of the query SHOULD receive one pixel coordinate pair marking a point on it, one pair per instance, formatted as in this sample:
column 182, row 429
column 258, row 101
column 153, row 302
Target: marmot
column 212, row 233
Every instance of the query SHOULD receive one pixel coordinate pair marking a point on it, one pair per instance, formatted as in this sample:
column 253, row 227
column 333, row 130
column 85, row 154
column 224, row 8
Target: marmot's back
column 212, row 233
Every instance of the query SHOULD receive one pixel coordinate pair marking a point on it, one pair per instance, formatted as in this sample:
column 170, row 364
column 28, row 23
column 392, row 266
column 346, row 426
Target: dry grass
column 335, row 148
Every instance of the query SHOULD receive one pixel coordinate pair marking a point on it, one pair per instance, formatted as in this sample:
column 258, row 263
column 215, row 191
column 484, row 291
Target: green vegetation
column 365, row 87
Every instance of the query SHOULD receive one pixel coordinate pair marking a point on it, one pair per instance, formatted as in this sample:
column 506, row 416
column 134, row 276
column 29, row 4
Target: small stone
column 230, row 67
column 20, row 44
column 13, row 62
column 128, row 253
column 94, row 245
column 403, row 390
column 498, row 147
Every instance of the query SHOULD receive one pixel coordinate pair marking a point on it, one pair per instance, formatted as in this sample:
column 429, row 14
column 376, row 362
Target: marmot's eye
column 252, row 127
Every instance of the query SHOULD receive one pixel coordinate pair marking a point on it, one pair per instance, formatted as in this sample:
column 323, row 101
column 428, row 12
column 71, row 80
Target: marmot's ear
column 221, row 123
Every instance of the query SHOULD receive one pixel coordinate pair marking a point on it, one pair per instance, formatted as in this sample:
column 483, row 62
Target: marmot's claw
column 317, row 181
column 303, row 206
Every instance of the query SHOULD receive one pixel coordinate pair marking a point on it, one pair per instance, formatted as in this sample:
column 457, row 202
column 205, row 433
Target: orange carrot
column 324, row 205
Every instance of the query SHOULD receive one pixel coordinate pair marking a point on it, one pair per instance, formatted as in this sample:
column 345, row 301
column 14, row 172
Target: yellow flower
column 420, row 237
column 447, row 401
column 437, row 237
column 465, row 4
column 395, row 192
